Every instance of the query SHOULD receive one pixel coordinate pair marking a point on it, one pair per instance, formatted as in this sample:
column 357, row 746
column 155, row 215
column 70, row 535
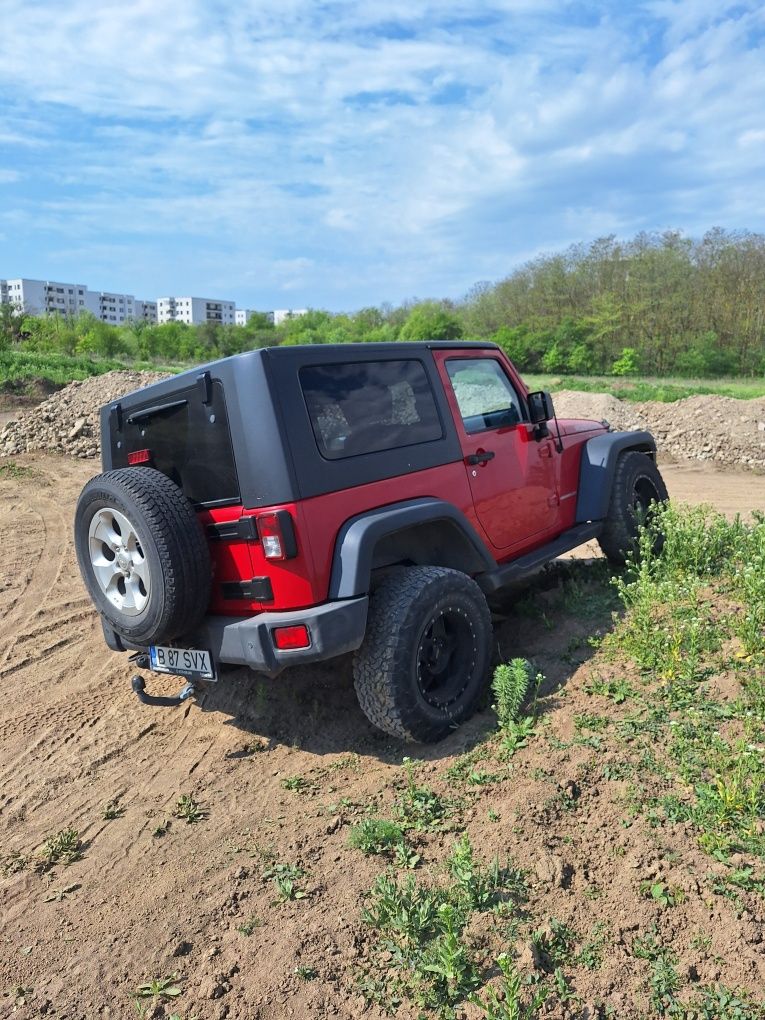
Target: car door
column 512, row 472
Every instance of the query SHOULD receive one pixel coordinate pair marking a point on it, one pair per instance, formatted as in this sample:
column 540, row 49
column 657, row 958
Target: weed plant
column 189, row 809
column 422, row 954
column 65, row 847
column 508, row 1001
column 418, row 807
column 511, row 684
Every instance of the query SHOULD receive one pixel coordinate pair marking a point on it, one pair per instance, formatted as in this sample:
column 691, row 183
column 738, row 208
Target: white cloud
column 378, row 149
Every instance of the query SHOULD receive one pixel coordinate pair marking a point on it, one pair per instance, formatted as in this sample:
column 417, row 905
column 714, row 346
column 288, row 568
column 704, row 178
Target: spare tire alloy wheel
column 142, row 555
column 118, row 561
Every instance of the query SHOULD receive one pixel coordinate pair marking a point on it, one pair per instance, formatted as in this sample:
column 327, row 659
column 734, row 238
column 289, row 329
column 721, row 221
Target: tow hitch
column 138, row 684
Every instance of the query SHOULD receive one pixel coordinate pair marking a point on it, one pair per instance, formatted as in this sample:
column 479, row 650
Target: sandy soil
column 150, row 898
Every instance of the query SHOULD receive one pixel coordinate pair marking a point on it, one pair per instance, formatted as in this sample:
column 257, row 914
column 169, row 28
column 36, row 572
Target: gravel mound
column 723, row 430
column 597, row 406
column 68, row 421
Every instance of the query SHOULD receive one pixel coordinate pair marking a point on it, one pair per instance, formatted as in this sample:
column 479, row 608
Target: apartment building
column 41, row 297
column 38, row 297
column 47, row 297
column 116, row 308
column 145, row 311
column 195, row 310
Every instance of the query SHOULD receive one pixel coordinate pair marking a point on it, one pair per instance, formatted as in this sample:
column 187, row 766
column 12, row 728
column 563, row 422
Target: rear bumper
column 334, row 628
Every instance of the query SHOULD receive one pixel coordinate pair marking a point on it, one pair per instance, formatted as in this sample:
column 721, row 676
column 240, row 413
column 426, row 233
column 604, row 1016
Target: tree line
column 659, row 304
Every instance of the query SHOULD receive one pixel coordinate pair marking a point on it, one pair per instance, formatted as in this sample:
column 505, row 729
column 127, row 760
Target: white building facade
column 116, row 308
column 195, row 311
column 41, row 297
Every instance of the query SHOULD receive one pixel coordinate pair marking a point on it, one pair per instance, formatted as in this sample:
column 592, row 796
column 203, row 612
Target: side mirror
column 540, row 407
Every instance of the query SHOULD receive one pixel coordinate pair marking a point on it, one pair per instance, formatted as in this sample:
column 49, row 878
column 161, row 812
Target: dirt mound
column 68, row 421
column 728, row 432
column 721, row 429
column 597, row 406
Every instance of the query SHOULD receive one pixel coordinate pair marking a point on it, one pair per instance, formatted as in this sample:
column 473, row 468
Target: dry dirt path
column 143, row 904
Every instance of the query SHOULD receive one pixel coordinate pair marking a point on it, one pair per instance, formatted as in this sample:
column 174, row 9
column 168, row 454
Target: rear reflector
column 291, row 637
column 139, row 457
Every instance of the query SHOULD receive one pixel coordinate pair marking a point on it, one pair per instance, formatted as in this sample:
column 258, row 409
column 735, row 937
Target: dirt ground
column 153, row 896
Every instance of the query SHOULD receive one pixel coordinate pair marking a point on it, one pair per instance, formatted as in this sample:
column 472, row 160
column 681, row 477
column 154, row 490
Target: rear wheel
column 425, row 658
column 636, row 487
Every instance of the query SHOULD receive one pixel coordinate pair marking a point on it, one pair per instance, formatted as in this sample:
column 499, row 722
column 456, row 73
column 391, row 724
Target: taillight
column 291, row 637
column 139, row 457
column 277, row 535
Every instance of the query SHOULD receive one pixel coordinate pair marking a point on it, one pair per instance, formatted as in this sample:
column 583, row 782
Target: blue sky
column 286, row 153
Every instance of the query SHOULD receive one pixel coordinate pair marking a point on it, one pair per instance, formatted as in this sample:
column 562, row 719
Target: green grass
column 10, row 469
column 697, row 611
column 20, row 369
column 664, row 389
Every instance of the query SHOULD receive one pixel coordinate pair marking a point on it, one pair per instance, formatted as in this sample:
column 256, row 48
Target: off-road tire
column 637, row 483
column 404, row 608
column 172, row 542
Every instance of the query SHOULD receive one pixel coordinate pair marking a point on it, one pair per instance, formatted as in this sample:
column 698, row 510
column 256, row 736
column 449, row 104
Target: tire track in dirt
column 42, row 537
column 76, row 737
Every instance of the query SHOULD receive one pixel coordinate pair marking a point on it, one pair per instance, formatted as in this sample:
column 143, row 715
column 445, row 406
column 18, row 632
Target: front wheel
column 425, row 659
column 636, row 487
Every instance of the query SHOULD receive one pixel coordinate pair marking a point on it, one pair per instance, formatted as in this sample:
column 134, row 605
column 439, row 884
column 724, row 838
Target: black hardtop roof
column 296, row 352
column 277, row 460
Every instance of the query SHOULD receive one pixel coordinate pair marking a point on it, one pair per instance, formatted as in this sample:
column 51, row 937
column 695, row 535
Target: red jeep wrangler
column 291, row 504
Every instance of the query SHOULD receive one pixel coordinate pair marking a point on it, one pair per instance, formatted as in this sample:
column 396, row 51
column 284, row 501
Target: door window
column 485, row 396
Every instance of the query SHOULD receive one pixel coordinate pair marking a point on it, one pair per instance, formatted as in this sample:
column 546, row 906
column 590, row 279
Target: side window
column 485, row 396
column 367, row 406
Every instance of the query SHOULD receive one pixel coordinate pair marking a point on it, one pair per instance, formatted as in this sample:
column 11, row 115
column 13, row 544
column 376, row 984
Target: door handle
column 482, row 457
column 545, row 451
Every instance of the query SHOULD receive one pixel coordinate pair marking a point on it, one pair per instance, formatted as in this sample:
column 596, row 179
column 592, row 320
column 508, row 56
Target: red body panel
column 519, row 500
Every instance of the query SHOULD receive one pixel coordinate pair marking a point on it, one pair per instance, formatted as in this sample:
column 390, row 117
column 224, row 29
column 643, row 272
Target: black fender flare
column 357, row 538
column 598, row 466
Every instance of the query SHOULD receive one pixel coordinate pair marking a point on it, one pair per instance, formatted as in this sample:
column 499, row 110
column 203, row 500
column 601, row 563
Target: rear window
column 189, row 441
column 367, row 406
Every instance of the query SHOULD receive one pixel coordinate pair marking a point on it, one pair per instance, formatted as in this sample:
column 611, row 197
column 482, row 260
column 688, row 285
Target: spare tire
column 142, row 555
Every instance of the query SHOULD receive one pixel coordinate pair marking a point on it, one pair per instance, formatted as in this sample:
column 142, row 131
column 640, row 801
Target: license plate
column 189, row 662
